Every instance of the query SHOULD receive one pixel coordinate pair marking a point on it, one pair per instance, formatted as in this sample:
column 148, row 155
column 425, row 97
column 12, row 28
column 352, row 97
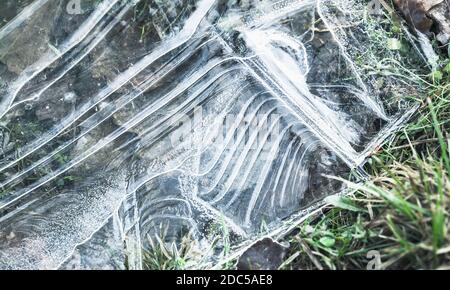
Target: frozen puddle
column 125, row 124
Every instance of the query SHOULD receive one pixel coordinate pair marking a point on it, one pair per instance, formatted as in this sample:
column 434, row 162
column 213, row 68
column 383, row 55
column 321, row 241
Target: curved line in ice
column 47, row 59
column 162, row 50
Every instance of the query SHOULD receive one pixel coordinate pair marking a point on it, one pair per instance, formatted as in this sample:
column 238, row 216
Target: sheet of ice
column 126, row 122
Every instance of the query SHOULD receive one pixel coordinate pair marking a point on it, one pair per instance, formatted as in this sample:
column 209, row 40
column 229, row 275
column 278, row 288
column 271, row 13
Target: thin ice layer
column 152, row 120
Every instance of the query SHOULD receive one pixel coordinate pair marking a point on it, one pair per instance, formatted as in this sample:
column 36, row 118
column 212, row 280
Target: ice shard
column 126, row 122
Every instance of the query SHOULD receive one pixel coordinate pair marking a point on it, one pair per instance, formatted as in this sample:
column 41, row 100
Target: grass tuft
column 400, row 218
